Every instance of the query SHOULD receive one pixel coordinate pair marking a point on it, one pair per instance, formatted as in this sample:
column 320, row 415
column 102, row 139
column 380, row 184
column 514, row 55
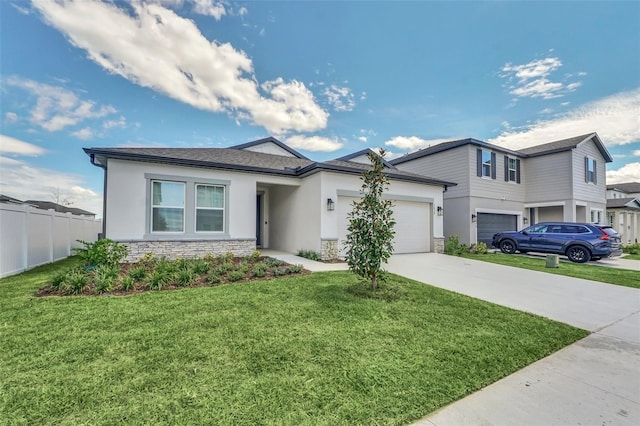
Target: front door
column 259, row 229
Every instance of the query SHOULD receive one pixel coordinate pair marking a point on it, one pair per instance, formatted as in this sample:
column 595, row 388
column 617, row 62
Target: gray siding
column 457, row 218
column 454, row 165
column 549, row 177
column 581, row 189
column 498, row 188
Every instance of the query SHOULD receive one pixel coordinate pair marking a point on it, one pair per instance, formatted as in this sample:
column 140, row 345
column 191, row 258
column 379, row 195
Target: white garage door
column 413, row 225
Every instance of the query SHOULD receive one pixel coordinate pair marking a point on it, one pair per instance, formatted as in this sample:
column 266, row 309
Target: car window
column 610, row 231
column 571, row 229
column 582, row 230
column 555, row 229
column 537, row 229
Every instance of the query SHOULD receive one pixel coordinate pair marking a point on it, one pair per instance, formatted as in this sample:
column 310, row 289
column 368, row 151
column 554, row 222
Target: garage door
column 491, row 223
column 413, row 226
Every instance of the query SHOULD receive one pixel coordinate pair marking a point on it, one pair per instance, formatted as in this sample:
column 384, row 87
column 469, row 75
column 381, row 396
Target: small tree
column 370, row 231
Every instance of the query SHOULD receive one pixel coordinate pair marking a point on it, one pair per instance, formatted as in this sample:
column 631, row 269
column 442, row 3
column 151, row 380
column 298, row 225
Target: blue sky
column 327, row 78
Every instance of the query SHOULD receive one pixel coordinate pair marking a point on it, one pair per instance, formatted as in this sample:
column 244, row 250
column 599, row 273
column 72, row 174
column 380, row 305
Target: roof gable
column 621, row 203
column 362, row 157
column 270, row 145
column 567, row 145
column 445, row 146
column 628, row 187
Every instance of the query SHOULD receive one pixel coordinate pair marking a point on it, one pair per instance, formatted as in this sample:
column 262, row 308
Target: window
column 596, row 216
column 591, row 175
column 167, row 206
column 209, row 208
column 486, row 163
column 511, row 169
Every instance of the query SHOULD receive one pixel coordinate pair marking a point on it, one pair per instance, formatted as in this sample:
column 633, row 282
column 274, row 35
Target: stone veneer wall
column 329, row 249
column 438, row 245
column 187, row 248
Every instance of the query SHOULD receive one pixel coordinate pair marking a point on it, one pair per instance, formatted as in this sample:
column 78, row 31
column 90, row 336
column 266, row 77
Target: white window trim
column 591, row 160
column 514, row 169
column 486, row 164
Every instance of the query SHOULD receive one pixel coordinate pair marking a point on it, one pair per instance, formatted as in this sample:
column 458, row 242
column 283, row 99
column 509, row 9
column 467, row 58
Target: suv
column 581, row 242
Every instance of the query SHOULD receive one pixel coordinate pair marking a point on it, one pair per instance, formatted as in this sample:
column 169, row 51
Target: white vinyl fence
column 30, row 237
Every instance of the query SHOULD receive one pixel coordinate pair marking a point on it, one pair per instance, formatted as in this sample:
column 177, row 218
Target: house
column 623, row 210
column 49, row 205
column 500, row 189
column 262, row 194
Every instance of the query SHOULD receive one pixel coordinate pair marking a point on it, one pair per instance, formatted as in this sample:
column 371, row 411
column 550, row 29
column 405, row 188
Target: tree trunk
column 374, row 282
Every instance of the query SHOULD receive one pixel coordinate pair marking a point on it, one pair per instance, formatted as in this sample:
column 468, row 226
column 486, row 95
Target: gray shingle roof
column 50, row 205
column 243, row 160
column 618, row 203
column 534, row 151
column 629, row 187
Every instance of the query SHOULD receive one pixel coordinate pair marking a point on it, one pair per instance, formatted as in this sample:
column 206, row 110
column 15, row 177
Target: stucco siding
column 295, row 216
column 548, row 177
column 583, row 190
column 454, row 165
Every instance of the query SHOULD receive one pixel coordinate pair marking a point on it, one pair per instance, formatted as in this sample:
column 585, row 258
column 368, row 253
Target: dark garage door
column 490, row 223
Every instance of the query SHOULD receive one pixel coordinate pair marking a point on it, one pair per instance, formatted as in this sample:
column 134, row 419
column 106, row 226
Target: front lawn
column 624, row 277
column 298, row 350
column 632, row 257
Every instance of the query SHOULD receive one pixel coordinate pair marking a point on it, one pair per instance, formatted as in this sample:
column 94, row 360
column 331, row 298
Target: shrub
column 128, row 283
column 631, row 248
column 242, row 267
column 452, row 245
column 148, row 260
column 101, row 252
column 138, row 273
column 260, row 270
column 201, row 267
column 273, row 262
column 236, row 276
column 77, row 281
column 293, row 269
column 104, row 277
column 478, row 248
column 223, row 268
column 278, row 271
column 214, row 279
column 185, row 277
column 58, row 280
column 255, row 256
column 309, row 254
column 158, row 279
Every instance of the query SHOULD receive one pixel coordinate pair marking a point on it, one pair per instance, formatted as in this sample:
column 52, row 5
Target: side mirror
column 525, row 232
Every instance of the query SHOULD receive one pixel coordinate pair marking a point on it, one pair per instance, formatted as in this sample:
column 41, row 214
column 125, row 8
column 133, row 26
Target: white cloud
column 10, row 117
column 313, row 143
column 209, row 8
column 532, row 79
column 13, row 146
column 615, row 118
column 57, row 107
column 84, row 134
column 412, row 143
column 147, row 47
column 26, row 182
column 362, row 138
column 636, row 153
column 627, row 173
column 243, row 11
column 340, row 98
column 119, row 123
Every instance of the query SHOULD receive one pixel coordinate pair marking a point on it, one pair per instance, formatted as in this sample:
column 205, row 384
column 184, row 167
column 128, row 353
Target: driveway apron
column 594, row 381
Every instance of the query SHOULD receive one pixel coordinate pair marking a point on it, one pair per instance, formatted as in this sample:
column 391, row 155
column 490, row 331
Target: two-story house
column 500, row 189
column 623, row 210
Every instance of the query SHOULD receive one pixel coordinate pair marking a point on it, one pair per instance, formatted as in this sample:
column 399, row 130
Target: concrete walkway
column 309, row 265
column 594, row 381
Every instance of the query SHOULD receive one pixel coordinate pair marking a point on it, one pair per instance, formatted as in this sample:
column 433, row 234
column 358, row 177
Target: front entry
column 259, row 215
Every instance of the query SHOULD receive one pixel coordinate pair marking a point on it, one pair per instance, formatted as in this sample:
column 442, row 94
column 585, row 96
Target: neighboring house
column 262, row 194
column 9, row 200
column 49, row 205
column 500, row 189
column 623, row 210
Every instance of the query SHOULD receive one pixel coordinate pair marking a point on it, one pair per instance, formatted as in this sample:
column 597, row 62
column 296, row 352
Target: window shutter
column 506, row 168
column 479, row 162
column 493, row 165
column 595, row 171
column 518, row 170
column 586, row 169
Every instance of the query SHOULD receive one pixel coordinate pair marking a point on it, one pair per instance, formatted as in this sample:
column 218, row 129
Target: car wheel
column 507, row 246
column 578, row 254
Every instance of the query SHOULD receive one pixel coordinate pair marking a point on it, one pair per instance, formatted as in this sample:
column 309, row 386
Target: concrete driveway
column 594, row 381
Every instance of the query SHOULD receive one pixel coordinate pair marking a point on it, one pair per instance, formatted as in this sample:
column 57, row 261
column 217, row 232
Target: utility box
column 553, row 261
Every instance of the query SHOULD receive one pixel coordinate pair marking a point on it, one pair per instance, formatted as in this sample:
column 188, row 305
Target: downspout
column 104, row 196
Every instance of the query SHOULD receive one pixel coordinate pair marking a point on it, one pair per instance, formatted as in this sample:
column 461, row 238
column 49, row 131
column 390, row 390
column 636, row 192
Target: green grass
column 624, row 277
column 301, row 350
column 632, row 257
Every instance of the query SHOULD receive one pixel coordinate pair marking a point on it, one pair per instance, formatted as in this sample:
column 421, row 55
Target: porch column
column 569, row 211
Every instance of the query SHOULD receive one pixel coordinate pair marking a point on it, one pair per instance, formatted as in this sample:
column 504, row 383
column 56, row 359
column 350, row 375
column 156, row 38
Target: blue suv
column 580, row 242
